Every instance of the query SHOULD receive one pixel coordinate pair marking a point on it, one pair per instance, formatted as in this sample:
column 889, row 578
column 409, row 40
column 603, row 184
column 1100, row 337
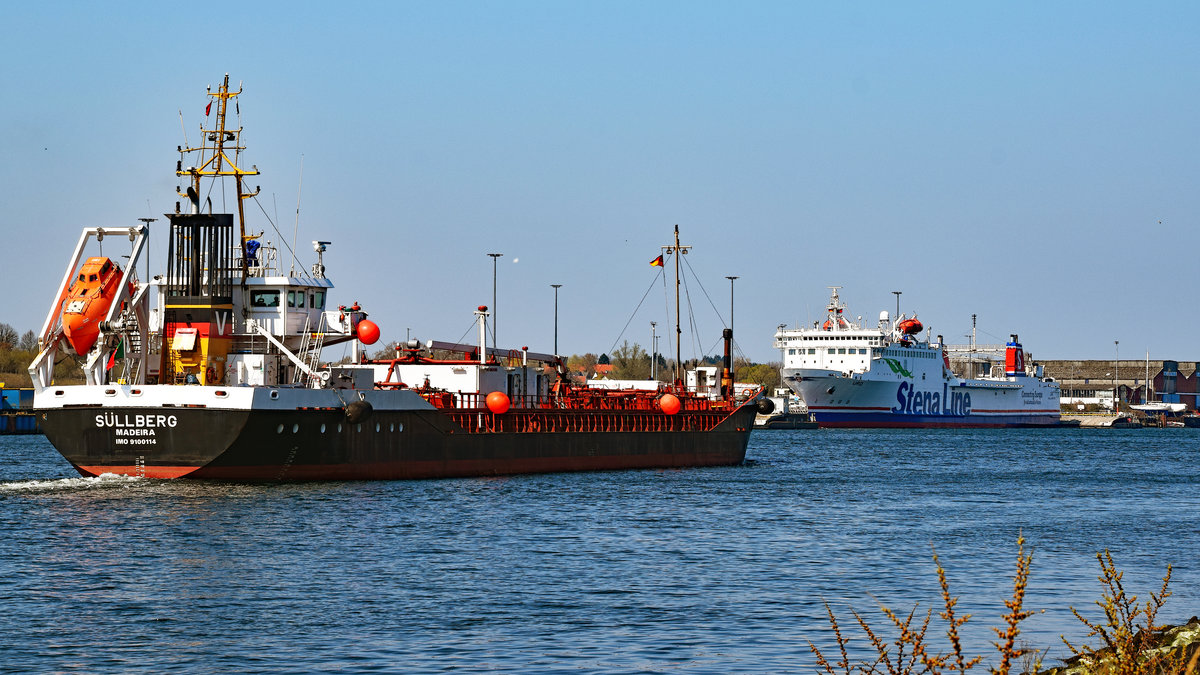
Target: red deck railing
column 581, row 411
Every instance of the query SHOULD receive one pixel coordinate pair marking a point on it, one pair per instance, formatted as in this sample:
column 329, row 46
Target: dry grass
column 910, row 652
column 1131, row 640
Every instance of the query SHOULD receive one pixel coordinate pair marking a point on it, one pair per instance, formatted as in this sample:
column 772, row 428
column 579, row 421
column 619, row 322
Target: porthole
column 339, row 427
column 274, row 395
column 295, row 428
column 279, row 429
column 322, row 428
column 358, row 427
column 400, row 426
column 378, row 427
column 392, row 428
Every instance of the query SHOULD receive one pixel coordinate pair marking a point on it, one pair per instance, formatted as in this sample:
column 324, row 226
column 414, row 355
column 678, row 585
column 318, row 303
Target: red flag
column 208, row 108
column 119, row 352
column 657, row 262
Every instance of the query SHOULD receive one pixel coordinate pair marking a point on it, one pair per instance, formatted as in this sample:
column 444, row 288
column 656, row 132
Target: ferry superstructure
column 888, row 376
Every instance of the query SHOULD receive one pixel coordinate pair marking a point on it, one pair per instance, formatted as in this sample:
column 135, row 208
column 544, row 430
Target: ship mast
column 215, row 142
column 668, row 250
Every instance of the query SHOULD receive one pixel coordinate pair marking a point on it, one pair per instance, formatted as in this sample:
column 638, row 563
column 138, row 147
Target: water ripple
column 696, row 571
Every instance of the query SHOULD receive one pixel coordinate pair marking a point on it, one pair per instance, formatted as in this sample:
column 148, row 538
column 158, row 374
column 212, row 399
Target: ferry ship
column 213, row 370
column 888, row 376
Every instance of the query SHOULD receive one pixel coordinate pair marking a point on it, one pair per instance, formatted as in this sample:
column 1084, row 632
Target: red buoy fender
column 367, row 332
column 669, row 404
column 498, row 402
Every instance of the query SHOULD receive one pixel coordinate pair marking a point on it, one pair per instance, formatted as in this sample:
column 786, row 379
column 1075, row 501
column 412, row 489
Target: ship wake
column 103, row 481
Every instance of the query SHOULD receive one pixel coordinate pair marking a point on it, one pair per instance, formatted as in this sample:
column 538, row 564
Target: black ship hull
column 322, row 444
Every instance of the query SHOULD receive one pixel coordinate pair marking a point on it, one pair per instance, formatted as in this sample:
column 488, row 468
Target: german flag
column 657, row 262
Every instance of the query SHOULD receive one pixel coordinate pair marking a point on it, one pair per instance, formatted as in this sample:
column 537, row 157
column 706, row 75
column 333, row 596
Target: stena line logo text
column 135, row 429
column 944, row 402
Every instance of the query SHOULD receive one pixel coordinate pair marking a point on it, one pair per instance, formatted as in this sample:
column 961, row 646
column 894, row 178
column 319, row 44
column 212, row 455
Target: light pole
column 731, row 301
column 495, row 256
column 731, row 326
column 656, row 339
column 897, row 294
column 1117, row 376
column 653, row 351
column 782, row 364
column 556, row 287
column 147, row 221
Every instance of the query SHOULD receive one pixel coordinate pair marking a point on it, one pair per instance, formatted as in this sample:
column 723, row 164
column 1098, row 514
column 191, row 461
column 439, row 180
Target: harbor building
column 1132, row 381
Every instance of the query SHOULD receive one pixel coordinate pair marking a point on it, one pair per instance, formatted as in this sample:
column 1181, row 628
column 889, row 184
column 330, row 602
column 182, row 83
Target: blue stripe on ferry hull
column 892, row 420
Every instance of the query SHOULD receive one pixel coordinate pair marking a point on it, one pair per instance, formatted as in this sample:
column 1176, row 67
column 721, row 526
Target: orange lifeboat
column 910, row 327
column 88, row 300
column 829, row 323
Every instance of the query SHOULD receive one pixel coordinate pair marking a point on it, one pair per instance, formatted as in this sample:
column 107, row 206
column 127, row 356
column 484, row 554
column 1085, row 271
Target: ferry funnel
column 1014, row 358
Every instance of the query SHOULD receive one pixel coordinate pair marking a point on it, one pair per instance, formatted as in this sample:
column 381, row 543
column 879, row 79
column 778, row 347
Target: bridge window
column 264, row 298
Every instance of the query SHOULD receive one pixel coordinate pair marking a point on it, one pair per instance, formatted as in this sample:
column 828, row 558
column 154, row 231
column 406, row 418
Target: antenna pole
column 296, row 229
column 181, row 126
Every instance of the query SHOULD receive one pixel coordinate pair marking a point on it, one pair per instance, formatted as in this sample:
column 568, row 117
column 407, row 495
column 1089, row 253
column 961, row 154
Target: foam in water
column 103, row 480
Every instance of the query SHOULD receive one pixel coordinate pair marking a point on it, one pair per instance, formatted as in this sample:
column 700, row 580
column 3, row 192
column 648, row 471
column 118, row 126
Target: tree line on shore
column 17, row 351
column 632, row 362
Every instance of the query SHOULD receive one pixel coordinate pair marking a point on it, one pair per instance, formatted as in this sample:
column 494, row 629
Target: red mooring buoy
column 367, row 331
column 669, row 403
column 498, row 402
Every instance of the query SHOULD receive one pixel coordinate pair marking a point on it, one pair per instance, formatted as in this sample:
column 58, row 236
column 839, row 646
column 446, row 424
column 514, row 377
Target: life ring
column 212, row 375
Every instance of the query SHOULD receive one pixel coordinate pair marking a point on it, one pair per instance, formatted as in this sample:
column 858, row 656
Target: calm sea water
column 698, row 571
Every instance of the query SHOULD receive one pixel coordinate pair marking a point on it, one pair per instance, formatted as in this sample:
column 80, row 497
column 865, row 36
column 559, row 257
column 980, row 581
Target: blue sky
column 1035, row 164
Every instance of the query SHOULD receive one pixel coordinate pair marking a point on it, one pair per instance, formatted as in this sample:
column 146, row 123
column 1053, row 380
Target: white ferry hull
column 835, row 400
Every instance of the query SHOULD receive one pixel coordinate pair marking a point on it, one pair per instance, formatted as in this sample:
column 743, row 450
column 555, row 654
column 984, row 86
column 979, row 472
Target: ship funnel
column 727, row 375
column 1014, row 359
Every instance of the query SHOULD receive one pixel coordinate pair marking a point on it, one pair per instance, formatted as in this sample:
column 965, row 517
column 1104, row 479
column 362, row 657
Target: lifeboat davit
column 87, row 302
column 910, row 327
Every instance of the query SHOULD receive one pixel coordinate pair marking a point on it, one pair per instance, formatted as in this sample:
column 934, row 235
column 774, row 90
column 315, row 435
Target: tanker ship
column 213, row 370
column 887, row 376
